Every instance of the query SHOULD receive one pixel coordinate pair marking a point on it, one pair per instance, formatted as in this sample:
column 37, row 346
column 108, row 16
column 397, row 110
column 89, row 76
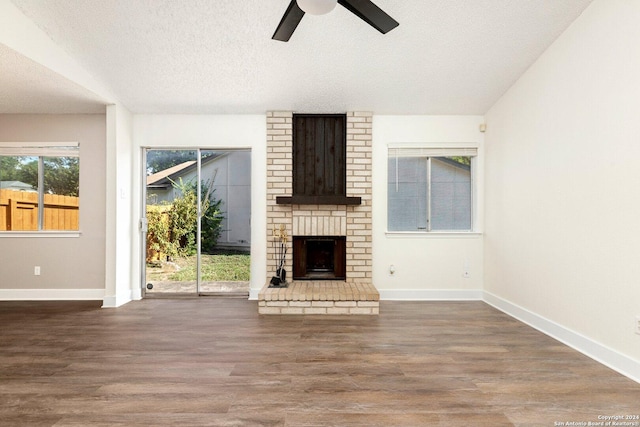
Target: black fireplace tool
column 280, row 253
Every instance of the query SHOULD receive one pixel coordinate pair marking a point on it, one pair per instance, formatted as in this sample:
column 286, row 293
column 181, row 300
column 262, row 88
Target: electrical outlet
column 36, row 270
column 638, row 324
column 465, row 269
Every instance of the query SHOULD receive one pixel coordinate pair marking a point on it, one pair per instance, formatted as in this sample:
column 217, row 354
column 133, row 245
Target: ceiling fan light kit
column 317, row 7
column 363, row 9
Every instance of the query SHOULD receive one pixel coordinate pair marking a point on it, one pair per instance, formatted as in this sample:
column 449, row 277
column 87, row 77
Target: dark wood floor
column 215, row 362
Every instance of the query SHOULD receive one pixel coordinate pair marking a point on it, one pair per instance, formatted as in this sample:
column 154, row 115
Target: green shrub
column 183, row 218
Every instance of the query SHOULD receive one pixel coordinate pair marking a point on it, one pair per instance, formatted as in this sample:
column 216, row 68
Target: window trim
column 42, row 233
column 41, row 150
column 429, row 151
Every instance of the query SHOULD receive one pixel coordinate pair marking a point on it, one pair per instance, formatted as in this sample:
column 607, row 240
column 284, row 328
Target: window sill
column 434, row 234
column 44, row 234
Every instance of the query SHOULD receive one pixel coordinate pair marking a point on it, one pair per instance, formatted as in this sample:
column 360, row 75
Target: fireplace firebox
column 319, row 258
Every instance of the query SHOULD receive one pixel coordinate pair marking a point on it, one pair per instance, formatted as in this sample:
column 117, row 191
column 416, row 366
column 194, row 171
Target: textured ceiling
column 28, row 87
column 206, row 56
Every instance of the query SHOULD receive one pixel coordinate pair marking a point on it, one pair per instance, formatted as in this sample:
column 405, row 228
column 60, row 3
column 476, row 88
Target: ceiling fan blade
column 289, row 22
column 371, row 14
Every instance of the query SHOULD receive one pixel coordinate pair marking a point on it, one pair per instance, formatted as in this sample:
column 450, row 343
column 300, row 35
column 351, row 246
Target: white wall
column 427, row 266
column 214, row 132
column 562, row 228
column 72, row 267
column 120, row 287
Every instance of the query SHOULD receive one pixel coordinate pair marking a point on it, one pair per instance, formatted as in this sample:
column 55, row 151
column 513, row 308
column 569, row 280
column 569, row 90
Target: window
column 39, row 187
column 430, row 189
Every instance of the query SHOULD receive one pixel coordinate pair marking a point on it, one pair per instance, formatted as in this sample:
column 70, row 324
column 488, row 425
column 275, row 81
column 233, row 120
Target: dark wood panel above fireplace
column 319, row 161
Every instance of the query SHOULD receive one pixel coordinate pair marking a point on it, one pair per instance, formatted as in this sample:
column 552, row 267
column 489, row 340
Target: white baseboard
column 253, row 294
column 113, row 301
column 430, row 295
column 598, row 352
column 50, row 294
column 415, row 294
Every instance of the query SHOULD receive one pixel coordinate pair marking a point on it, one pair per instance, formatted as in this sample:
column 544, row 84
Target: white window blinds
column 430, row 189
column 46, row 149
column 405, row 151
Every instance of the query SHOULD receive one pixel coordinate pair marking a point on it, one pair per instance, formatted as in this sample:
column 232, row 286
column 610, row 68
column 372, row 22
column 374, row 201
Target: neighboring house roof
column 163, row 174
column 454, row 163
column 164, row 178
column 17, row 186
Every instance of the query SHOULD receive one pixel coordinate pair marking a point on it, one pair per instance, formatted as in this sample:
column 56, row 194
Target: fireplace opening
column 319, row 258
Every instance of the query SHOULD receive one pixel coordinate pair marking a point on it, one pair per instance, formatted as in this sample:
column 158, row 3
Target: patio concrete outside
column 189, row 287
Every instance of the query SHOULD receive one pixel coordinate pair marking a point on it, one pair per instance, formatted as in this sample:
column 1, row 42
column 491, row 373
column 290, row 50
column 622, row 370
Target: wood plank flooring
column 216, row 362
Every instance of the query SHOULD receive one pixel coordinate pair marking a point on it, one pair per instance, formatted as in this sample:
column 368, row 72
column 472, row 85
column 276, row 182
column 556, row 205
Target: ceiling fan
column 364, row 9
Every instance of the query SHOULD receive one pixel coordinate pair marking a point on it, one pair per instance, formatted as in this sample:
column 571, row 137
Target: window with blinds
column 430, row 189
column 39, row 187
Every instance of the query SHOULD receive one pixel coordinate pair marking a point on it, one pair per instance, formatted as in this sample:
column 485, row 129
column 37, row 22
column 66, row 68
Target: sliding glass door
column 197, row 215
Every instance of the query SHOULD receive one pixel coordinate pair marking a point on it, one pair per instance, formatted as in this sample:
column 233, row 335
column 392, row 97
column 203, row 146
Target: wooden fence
column 158, row 233
column 19, row 211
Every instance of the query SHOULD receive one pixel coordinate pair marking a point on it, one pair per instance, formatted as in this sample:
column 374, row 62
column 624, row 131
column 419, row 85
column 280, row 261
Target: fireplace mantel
column 318, row 200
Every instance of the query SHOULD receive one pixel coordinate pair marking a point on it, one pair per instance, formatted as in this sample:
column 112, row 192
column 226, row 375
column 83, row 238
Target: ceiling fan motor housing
column 363, row 9
column 317, row 7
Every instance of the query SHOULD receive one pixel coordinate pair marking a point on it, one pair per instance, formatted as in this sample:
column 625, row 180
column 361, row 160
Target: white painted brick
column 368, row 304
column 360, row 161
column 345, row 304
column 293, row 310
column 322, row 303
column 362, row 125
column 277, row 303
column 281, row 125
column 360, row 310
column 269, row 310
column 282, row 137
column 361, row 149
column 315, row 310
column 286, row 114
column 280, row 160
column 299, row 303
column 324, row 209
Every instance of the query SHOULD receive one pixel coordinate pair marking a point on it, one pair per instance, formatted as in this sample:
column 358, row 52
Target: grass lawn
column 224, row 266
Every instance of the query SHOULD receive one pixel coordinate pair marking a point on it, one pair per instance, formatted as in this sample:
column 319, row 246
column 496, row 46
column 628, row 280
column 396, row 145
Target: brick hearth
column 320, row 297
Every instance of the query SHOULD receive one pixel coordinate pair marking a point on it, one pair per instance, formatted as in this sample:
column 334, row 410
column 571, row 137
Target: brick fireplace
column 351, row 291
